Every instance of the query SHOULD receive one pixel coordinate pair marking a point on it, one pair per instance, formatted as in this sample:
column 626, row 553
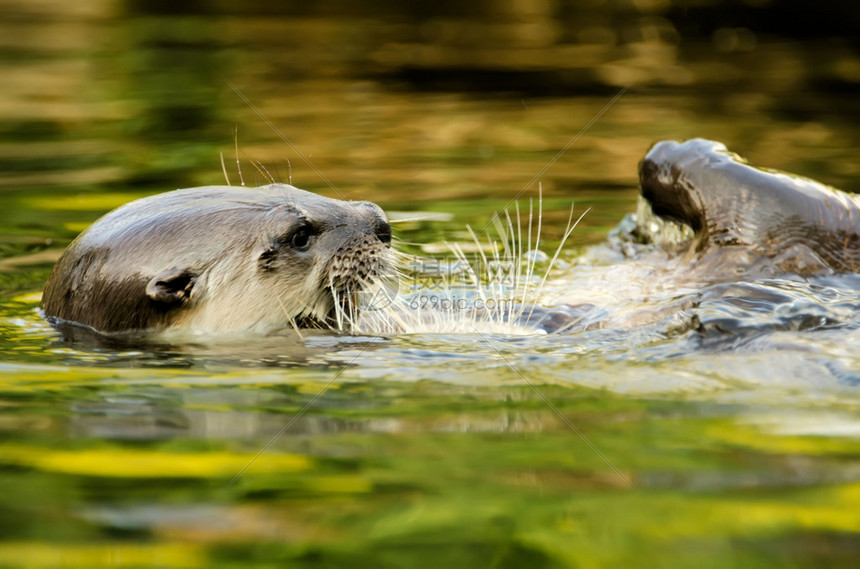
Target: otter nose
column 374, row 215
column 383, row 231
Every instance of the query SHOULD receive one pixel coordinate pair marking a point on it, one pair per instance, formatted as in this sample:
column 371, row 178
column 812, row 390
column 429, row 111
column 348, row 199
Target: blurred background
column 440, row 105
column 428, row 450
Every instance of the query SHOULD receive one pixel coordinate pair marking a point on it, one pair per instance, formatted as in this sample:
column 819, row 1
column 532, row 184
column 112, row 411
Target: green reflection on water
column 466, row 475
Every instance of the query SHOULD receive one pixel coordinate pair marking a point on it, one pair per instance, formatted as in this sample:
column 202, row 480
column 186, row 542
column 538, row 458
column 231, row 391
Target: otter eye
column 301, row 239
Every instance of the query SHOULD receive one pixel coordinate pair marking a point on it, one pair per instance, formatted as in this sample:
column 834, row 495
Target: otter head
column 319, row 258
column 222, row 259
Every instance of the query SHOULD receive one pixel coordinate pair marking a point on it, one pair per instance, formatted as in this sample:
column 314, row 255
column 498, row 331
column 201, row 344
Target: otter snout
column 375, row 217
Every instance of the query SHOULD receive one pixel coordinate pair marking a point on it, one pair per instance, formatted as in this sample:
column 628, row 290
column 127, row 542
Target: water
column 722, row 431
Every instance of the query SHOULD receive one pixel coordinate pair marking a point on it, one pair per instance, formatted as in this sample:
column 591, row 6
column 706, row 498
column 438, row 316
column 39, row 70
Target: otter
column 772, row 220
column 221, row 258
column 266, row 259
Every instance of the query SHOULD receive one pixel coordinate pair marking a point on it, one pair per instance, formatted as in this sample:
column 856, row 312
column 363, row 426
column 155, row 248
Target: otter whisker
column 320, row 310
column 519, row 244
column 481, row 290
column 530, row 264
column 567, row 233
column 264, row 171
column 406, row 220
column 337, row 309
column 224, row 169
column 289, row 318
column 352, row 308
column 238, row 163
column 519, row 282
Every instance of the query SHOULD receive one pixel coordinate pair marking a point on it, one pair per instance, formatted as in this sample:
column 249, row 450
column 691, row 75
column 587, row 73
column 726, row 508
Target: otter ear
column 172, row 286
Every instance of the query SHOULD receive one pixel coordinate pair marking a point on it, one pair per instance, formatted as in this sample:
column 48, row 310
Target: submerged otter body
column 220, row 258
